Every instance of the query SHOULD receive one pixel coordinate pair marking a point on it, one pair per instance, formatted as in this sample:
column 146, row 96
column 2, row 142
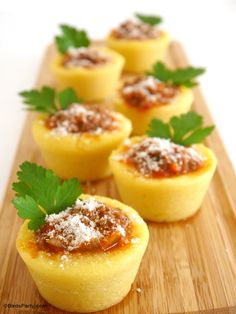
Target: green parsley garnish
column 67, row 97
column 47, row 100
column 184, row 130
column 149, row 19
column 182, row 76
column 71, row 37
column 39, row 192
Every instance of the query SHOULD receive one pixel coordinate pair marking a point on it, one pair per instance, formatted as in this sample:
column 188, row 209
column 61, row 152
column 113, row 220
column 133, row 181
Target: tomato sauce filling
column 79, row 119
column 160, row 158
column 88, row 226
column 147, row 92
column 135, row 31
column 85, row 57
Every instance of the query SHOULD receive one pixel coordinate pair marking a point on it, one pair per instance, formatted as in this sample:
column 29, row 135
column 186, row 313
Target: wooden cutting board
column 188, row 267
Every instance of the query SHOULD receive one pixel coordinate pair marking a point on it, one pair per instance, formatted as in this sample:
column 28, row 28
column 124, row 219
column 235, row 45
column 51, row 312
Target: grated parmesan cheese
column 87, row 225
column 78, row 119
column 161, row 158
column 135, row 30
column 145, row 92
column 85, row 58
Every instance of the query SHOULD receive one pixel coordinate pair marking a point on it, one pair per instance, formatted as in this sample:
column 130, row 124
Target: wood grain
column 189, row 267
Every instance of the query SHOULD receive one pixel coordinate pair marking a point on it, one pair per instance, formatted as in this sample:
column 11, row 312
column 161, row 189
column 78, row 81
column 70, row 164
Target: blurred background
column 206, row 28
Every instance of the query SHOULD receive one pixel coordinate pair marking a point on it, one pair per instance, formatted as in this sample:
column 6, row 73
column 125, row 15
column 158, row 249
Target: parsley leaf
column 44, row 100
column 184, row 130
column 184, row 124
column 66, row 194
column 37, row 182
column 157, row 128
column 71, row 37
column 27, row 208
column 149, row 19
column 67, row 97
column 182, row 76
column 40, row 191
column 198, row 135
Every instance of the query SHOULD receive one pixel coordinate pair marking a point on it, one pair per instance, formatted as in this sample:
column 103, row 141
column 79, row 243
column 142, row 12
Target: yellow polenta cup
column 91, row 84
column 82, row 156
column 141, row 118
column 140, row 55
column 164, row 199
column 86, row 282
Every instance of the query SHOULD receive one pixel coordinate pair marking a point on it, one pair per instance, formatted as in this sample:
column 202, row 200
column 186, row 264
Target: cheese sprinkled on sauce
column 85, row 57
column 147, row 92
column 78, row 119
column 135, row 31
column 89, row 225
column 156, row 157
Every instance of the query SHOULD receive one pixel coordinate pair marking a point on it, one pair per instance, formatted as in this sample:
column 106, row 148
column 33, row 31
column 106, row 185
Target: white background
column 206, row 28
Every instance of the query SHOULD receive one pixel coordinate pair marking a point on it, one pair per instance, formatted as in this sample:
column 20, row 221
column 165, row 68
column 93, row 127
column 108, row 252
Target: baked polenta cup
column 141, row 118
column 84, row 155
column 90, row 281
column 93, row 83
column 140, row 55
column 167, row 198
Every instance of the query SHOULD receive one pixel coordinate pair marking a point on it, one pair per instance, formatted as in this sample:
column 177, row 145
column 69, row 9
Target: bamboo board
column 189, row 267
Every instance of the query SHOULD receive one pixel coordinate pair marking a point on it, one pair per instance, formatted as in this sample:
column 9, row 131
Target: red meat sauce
column 78, row 119
column 135, row 31
column 160, row 158
column 89, row 226
column 88, row 58
column 144, row 93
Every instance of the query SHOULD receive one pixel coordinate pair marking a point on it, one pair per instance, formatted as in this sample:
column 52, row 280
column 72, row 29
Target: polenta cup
column 85, row 282
column 75, row 139
column 84, row 156
column 163, row 199
column 92, row 84
column 160, row 94
column 140, row 42
column 140, row 54
column 92, row 71
column 141, row 118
